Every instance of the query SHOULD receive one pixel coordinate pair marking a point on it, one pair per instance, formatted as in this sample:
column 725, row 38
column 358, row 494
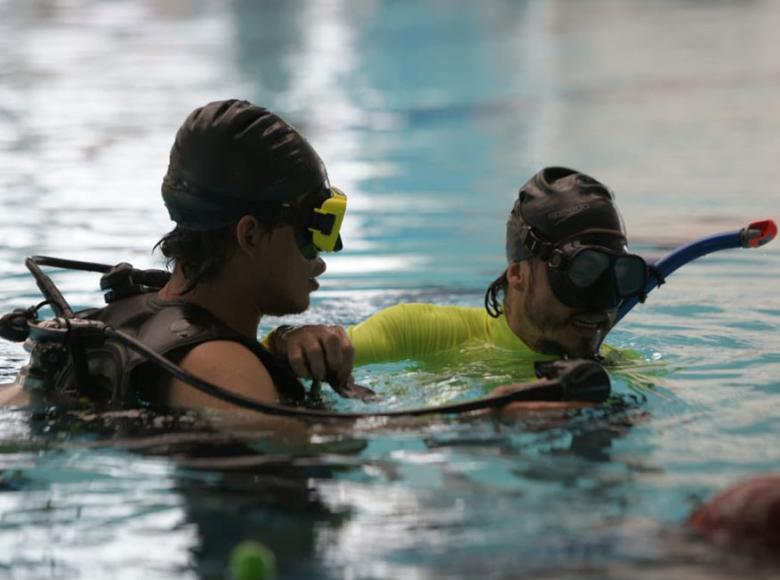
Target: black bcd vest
column 122, row 378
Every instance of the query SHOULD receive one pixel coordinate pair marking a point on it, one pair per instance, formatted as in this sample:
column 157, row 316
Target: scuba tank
column 59, row 346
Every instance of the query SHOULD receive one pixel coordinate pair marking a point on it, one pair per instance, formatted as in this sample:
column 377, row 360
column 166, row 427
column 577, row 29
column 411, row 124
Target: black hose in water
column 594, row 387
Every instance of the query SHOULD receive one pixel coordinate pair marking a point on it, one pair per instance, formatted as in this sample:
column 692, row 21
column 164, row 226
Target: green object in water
column 252, row 561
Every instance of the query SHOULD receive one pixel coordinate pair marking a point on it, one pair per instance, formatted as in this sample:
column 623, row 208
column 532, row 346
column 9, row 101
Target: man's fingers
column 333, row 355
column 319, row 351
column 348, row 354
column 298, row 362
column 315, row 359
column 339, row 353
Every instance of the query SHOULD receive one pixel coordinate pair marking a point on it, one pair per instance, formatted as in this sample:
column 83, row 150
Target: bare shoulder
column 227, row 364
column 13, row 396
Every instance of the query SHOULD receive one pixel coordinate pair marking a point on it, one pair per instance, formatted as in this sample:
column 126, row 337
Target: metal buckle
column 537, row 246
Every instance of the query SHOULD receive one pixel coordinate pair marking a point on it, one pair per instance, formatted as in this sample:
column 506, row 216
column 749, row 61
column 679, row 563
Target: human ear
column 517, row 275
column 248, row 232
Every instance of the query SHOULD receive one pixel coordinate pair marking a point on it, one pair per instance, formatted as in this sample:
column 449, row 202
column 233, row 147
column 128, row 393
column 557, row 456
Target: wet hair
column 201, row 255
column 494, row 296
column 496, row 293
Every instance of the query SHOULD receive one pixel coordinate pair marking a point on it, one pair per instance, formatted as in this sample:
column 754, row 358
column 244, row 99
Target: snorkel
column 754, row 235
column 569, row 221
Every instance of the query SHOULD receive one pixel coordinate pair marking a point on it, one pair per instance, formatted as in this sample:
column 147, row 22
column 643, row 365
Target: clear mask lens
column 594, row 277
column 630, row 275
column 587, row 267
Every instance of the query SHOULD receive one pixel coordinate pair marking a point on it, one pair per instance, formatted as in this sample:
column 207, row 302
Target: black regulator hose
column 55, row 299
column 566, row 380
column 577, row 380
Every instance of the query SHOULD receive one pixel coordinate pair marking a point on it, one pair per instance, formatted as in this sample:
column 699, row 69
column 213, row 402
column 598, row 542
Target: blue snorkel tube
column 753, row 236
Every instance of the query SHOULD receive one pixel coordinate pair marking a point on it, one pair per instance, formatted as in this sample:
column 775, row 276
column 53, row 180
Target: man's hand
column 315, row 351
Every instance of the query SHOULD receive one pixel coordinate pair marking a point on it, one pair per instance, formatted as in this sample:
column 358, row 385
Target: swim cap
column 560, row 204
column 231, row 158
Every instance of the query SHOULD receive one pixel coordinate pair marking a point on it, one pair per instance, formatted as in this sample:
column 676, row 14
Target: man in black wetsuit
column 253, row 209
column 246, row 190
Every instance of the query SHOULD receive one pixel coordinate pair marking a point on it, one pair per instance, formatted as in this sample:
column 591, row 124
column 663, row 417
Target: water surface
column 430, row 116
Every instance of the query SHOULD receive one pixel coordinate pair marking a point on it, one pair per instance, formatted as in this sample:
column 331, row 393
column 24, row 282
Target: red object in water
column 746, row 515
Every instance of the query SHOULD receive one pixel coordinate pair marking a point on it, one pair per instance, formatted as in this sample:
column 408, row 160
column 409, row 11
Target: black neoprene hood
column 231, row 156
column 560, row 203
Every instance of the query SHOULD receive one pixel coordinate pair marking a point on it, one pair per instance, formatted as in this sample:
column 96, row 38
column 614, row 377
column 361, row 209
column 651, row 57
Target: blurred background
column 430, row 115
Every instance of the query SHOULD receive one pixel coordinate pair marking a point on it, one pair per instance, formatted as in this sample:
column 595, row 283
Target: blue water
column 430, row 115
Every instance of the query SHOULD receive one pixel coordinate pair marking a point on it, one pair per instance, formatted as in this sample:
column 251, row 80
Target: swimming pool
column 429, row 115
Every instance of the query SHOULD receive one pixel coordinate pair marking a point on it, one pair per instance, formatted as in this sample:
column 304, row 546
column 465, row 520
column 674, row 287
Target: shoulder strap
column 169, row 327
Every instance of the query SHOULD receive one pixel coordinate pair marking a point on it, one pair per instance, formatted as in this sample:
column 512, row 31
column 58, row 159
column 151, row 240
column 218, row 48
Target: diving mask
column 326, row 219
column 318, row 224
column 590, row 275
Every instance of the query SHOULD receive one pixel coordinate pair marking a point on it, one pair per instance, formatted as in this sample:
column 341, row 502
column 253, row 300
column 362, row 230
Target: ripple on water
column 431, row 136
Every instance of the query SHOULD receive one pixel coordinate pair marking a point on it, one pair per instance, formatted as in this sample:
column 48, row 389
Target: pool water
column 430, row 115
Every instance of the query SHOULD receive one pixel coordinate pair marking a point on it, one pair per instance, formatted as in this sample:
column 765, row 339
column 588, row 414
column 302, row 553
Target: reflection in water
column 166, row 495
column 279, row 506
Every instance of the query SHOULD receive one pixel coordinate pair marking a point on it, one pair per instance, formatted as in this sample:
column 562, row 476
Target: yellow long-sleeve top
column 465, row 342
column 421, row 331
column 464, row 339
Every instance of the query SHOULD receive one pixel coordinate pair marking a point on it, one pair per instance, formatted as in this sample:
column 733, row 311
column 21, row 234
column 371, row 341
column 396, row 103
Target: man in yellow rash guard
column 417, row 331
column 568, row 271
